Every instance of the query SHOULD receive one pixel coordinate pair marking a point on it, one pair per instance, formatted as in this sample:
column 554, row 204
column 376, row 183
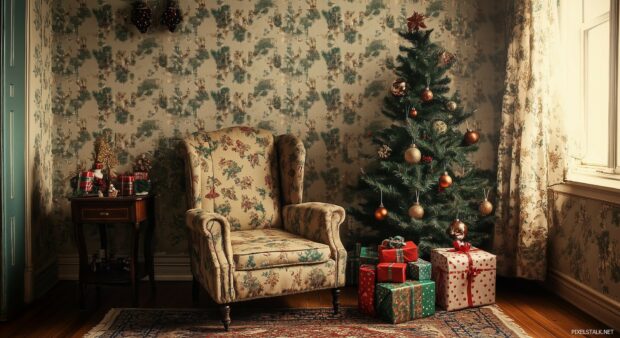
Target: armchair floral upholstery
column 250, row 234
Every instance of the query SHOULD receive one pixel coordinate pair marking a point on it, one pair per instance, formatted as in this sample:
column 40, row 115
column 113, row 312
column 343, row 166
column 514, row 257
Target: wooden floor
column 539, row 312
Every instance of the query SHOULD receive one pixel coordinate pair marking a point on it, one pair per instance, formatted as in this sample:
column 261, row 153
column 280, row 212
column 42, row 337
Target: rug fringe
column 509, row 322
column 104, row 325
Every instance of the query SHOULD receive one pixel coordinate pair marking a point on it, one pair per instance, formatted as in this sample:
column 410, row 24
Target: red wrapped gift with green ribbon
column 392, row 272
column 408, row 252
column 401, row 302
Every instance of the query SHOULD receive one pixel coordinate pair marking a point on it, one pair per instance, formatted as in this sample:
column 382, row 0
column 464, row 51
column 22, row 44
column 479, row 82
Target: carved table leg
column 81, row 243
column 225, row 312
column 336, row 300
column 134, row 264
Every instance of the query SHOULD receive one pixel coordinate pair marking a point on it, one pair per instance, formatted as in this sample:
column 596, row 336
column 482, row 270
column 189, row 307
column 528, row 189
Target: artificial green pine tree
column 424, row 115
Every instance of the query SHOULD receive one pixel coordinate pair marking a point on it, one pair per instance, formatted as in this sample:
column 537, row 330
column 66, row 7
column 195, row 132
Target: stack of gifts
column 398, row 288
column 465, row 275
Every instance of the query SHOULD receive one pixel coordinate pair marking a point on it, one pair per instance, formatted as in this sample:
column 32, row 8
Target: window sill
column 589, row 191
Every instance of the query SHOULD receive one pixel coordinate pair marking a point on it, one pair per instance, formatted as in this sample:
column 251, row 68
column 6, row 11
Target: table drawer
column 106, row 214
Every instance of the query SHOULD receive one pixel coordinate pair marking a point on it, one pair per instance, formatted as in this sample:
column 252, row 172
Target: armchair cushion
column 266, row 248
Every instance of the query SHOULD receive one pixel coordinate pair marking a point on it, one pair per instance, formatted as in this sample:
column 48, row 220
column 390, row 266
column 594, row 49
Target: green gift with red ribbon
column 402, row 302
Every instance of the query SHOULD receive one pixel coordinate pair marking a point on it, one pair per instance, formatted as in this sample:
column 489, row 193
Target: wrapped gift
column 465, row 278
column 353, row 265
column 419, row 270
column 401, row 302
column 392, row 272
column 369, row 255
column 127, row 185
column 85, row 182
column 366, row 289
column 407, row 253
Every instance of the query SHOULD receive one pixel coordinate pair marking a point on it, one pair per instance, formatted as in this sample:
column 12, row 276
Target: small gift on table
column 396, row 250
column 142, row 184
column 85, row 182
column 127, row 185
column 401, row 302
column 366, row 289
column 465, row 276
column 369, row 255
column 419, row 270
column 353, row 265
column 392, row 272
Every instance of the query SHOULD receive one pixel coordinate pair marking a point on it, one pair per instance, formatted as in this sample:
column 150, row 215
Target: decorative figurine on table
column 99, row 181
column 112, row 192
column 105, row 158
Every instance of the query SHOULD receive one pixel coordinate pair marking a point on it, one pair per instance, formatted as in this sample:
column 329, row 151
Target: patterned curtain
column 531, row 154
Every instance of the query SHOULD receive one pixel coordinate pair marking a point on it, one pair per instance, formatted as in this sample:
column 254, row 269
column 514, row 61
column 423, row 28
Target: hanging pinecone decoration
column 141, row 16
column 172, row 15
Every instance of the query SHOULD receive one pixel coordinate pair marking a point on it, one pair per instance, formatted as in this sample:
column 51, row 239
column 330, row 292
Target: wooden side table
column 133, row 210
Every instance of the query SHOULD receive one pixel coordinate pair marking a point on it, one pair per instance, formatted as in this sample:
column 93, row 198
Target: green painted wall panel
column 13, row 154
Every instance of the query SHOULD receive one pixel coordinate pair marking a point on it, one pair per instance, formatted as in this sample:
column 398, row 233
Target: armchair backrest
column 234, row 172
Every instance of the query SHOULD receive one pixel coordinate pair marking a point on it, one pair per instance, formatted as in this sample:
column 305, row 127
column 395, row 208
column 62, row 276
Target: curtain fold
column 531, row 153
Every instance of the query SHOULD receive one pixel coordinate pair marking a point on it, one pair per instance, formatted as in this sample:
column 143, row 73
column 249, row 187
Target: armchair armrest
column 211, row 253
column 319, row 222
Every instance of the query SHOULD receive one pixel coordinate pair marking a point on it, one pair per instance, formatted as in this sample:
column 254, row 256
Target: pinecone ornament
column 141, row 16
column 171, row 17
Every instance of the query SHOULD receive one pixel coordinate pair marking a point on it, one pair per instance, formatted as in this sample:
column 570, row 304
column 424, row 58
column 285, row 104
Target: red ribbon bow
column 461, row 246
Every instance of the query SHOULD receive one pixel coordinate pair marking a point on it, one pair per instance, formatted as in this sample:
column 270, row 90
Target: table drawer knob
column 103, row 213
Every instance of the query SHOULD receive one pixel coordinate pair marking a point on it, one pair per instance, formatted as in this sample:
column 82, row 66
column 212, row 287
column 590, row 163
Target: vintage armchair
column 250, row 236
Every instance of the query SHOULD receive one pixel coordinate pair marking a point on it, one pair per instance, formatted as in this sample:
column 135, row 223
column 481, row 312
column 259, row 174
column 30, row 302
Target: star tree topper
column 415, row 22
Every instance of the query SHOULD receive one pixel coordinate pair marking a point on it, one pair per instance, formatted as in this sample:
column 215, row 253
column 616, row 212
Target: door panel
column 13, row 155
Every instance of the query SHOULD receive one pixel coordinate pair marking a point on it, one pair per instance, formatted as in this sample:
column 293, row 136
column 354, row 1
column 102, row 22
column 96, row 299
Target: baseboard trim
column 585, row 298
column 167, row 267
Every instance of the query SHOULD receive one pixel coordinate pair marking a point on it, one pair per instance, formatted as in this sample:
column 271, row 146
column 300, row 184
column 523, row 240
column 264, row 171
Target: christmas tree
column 423, row 180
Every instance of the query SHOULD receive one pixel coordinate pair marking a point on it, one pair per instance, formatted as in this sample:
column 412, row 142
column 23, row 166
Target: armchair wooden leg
column 225, row 312
column 195, row 291
column 336, row 300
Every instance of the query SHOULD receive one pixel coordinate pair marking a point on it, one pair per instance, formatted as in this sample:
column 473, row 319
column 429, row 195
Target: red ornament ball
column 471, row 137
column 381, row 213
column 427, row 95
column 427, row 159
column 413, row 113
column 445, row 181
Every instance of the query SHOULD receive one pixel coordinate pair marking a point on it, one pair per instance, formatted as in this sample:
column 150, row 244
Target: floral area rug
column 486, row 321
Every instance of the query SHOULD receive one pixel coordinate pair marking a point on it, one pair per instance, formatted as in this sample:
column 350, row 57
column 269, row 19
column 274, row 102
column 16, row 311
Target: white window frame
column 605, row 177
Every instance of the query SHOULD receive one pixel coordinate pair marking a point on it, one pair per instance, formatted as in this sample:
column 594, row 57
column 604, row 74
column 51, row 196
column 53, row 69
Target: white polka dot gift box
column 463, row 278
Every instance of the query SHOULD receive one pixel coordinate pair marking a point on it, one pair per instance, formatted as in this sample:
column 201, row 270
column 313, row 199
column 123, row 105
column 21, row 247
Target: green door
column 13, row 155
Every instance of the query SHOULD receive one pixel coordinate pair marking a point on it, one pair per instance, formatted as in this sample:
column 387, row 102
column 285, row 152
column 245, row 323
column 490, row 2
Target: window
column 590, row 93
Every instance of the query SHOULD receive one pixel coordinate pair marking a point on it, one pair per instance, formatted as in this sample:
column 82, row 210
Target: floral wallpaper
column 585, row 242
column 316, row 69
column 41, row 160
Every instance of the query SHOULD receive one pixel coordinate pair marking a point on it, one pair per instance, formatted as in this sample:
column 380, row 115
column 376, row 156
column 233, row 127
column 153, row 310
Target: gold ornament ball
column 451, row 106
column 413, row 155
column 427, row 95
column 381, row 213
column 413, row 113
column 485, row 208
column 399, row 88
column 416, row 211
column 440, row 127
column 471, row 137
column 445, row 181
column 457, row 230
